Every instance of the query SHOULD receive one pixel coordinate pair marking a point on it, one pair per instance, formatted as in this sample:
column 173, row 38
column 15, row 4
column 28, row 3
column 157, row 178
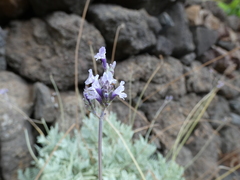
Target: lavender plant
column 76, row 156
column 103, row 91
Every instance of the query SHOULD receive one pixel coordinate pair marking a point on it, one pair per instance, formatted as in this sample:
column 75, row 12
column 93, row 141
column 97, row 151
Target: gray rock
column 184, row 157
column 215, row 9
column 230, row 139
column 179, row 34
column 137, row 35
column 188, row 58
column 125, row 115
column 235, row 105
column 68, row 116
column 141, row 68
column 173, row 115
column 226, row 45
column 200, row 81
column 235, row 119
column 188, row 102
column 44, row 105
column 234, row 22
column 209, row 156
column 153, row 7
column 222, row 64
column 37, row 48
column 165, row 20
column 218, row 110
column 163, row 46
column 169, row 116
column 3, row 64
column 203, row 38
column 229, row 92
column 20, row 92
column 44, row 7
column 16, row 106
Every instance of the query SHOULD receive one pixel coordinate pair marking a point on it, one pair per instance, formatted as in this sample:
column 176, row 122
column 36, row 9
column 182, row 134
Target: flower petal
column 101, row 54
column 90, row 78
column 119, row 91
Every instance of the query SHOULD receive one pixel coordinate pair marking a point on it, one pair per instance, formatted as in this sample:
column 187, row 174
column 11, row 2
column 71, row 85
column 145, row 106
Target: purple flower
column 101, row 55
column 220, row 84
column 119, row 91
column 103, row 89
column 91, row 78
column 3, row 91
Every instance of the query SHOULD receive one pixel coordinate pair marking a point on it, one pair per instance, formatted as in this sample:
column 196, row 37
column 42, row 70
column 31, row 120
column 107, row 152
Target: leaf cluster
column 76, row 156
column 232, row 8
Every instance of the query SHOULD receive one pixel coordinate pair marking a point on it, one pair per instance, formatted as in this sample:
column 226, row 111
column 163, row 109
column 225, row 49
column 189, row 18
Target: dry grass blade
column 31, row 121
column 155, row 118
column 93, row 59
column 115, row 41
column 55, row 148
column 76, row 56
column 29, row 146
column 229, row 172
column 205, row 145
column 144, row 128
column 135, row 111
column 145, row 88
column 189, row 72
column 59, row 99
column 211, row 172
column 196, row 114
column 176, row 125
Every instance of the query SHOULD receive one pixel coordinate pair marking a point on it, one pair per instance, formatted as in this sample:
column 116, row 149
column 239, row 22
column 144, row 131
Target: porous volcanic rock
column 3, row 64
column 179, row 34
column 218, row 110
column 203, row 38
column 44, row 104
column 204, row 139
column 44, row 7
column 153, row 7
column 235, row 105
column 38, row 48
column 16, row 105
column 163, row 46
column 141, row 68
column 170, row 119
column 188, row 58
column 138, row 32
column 201, row 80
column 229, row 91
column 230, row 139
column 125, row 115
column 71, row 114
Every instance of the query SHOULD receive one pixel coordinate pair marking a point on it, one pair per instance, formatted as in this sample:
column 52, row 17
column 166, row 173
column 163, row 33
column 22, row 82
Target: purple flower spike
column 119, row 91
column 102, row 88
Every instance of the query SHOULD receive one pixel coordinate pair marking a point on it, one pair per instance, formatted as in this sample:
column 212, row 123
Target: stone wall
column 38, row 39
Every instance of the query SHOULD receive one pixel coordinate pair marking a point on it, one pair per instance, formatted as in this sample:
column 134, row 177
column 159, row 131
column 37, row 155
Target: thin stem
column 100, row 129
